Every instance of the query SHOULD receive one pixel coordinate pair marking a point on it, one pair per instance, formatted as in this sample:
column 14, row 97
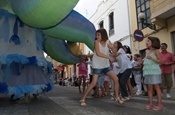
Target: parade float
column 27, row 29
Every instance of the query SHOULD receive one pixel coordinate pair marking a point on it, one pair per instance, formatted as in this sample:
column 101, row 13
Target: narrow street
column 64, row 100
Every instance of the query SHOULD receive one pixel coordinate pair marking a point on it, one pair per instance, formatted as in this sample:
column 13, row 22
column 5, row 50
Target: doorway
column 173, row 46
column 173, row 41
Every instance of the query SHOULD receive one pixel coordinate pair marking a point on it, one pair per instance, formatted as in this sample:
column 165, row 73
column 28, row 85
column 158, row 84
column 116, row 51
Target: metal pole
column 138, row 47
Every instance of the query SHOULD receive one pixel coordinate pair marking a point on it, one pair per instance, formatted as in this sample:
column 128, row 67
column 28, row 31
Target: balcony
column 162, row 10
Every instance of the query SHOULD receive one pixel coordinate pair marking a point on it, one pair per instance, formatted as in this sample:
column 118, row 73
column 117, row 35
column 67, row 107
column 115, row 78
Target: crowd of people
column 113, row 64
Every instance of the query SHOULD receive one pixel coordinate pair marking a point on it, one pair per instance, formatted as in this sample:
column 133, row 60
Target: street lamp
column 142, row 17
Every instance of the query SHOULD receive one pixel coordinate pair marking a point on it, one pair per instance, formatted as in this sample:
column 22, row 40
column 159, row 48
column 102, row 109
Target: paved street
column 65, row 101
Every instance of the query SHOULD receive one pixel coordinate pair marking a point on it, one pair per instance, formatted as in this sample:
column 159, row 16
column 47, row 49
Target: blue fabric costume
column 23, row 68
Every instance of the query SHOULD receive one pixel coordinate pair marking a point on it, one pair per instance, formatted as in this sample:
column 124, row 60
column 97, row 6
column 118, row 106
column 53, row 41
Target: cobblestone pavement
column 65, row 101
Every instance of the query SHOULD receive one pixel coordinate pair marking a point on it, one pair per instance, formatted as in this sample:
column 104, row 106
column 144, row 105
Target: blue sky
column 87, row 7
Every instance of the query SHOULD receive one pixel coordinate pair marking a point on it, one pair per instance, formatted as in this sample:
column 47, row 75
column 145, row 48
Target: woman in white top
column 125, row 68
column 101, row 64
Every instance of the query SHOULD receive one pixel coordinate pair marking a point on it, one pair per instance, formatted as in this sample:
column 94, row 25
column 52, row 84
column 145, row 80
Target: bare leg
column 150, row 94
column 92, row 84
column 79, row 83
column 103, row 93
column 97, row 92
column 84, row 83
column 112, row 75
column 130, row 87
column 159, row 94
column 106, row 86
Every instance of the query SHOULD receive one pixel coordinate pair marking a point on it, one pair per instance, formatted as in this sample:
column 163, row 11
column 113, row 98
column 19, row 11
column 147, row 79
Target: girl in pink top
column 82, row 73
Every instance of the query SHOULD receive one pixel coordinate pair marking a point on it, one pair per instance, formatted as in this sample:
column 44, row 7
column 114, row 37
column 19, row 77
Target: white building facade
column 113, row 15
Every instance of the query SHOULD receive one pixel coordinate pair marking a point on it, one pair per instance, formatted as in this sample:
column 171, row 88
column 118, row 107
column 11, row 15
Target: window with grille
column 101, row 25
column 143, row 6
column 111, row 23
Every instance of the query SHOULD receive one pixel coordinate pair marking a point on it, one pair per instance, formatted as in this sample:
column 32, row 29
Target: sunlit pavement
column 64, row 100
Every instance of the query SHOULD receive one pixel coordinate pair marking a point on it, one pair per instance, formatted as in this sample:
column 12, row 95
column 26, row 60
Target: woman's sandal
column 150, row 106
column 119, row 100
column 97, row 96
column 103, row 95
column 158, row 107
column 82, row 103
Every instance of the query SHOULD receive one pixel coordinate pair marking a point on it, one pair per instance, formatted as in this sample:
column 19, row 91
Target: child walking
column 137, row 72
column 152, row 72
column 101, row 64
column 100, row 86
column 82, row 70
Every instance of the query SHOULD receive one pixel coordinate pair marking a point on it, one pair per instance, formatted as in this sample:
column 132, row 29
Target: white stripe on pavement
column 75, row 108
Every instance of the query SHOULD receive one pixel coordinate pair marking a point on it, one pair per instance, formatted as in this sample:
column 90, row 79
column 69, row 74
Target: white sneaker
column 168, row 95
column 125, row 99
column 112, row 93
column 112, row 98
column 138, row 93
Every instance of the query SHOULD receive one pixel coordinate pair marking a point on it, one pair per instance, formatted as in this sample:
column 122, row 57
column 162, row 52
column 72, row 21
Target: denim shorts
column 101, row 71
column 100, row 81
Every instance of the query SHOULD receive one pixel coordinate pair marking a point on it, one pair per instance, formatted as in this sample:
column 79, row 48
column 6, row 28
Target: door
column 173, row 46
